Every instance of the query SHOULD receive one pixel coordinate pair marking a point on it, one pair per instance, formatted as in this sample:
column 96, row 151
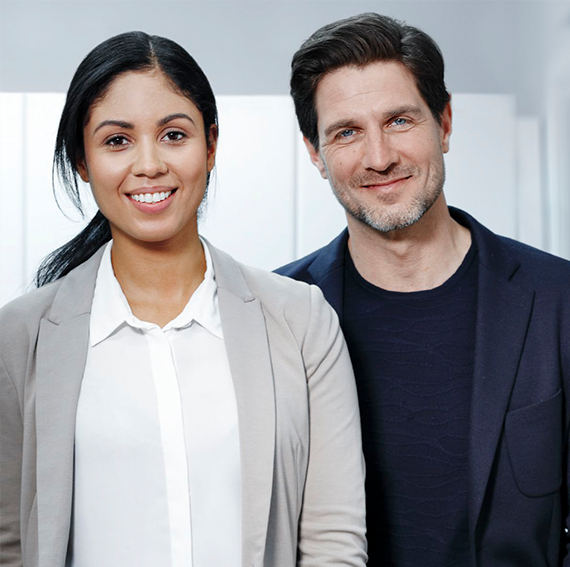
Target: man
column 460, row 339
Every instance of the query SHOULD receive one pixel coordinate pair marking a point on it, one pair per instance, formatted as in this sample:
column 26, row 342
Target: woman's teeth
column 151, row 197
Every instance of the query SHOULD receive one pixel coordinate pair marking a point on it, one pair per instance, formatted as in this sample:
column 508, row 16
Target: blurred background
column 507, row 67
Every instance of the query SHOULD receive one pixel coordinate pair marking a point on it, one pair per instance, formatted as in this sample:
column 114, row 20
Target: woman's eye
column 115, row 141
column 175, row 136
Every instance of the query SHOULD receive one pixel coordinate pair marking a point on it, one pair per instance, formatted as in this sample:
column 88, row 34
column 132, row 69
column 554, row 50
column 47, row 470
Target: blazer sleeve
column 11, row 442
column 332, row 525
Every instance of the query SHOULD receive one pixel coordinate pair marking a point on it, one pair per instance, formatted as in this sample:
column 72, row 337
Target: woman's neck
column 158, row 279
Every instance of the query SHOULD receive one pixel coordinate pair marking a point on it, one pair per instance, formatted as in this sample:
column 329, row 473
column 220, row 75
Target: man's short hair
column 358, row 41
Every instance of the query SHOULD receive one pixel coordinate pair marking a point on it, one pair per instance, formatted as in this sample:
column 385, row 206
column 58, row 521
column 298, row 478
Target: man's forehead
column 381, row 84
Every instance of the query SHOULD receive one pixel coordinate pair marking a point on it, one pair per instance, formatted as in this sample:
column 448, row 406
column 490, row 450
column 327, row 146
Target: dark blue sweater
column 413, row 360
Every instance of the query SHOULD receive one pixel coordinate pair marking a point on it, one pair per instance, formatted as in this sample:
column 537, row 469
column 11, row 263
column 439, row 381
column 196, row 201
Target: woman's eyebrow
column 171, row 117
column 119, row 123
column 129, row 126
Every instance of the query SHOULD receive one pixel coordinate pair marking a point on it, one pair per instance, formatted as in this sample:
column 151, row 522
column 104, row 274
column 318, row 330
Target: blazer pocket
column 534, row 442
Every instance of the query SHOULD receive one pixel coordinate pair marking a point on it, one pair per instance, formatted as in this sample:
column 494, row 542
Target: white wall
column 557, row 108
column 245, row 46
column 268, row 204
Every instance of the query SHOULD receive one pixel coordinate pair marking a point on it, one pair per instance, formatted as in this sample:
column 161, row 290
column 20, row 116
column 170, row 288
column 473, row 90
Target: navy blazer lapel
column 248, row 353
column 502, row 321
column 61, row 356
column 503, row 315
column 327, row 271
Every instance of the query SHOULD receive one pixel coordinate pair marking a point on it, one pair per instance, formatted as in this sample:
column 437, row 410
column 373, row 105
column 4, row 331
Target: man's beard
column 386, row 218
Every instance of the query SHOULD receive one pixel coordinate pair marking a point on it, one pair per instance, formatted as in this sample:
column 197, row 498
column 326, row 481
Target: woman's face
column 147, row 160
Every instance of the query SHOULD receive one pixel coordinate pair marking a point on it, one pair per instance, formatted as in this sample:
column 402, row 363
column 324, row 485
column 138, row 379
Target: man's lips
column 383, row 183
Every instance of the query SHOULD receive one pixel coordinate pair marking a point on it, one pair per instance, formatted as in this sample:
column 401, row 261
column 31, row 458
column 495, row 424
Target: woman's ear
column 82, row 170
column 212, row 146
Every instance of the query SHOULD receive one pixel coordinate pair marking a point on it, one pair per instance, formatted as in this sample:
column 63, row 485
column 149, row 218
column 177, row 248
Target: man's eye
column 400, row 122
column 346, row 133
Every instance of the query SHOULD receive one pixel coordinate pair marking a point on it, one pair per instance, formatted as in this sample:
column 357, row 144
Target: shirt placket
column 173, row 443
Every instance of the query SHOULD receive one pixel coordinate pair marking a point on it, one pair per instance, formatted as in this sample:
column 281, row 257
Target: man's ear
column 82, row 170
column 446, row 127
column 315, row 156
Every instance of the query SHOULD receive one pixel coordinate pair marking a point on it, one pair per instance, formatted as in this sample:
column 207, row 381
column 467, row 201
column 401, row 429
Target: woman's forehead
column 142, row 95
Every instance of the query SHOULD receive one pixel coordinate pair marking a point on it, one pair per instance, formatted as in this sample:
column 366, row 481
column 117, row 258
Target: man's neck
column 419, row 257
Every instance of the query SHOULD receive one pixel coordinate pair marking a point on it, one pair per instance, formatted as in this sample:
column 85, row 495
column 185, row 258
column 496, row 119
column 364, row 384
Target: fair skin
column 143, row 142
column 382, row 151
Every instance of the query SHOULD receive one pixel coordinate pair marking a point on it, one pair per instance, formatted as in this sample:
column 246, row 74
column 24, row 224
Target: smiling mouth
column 385, row 183
column 151, row 198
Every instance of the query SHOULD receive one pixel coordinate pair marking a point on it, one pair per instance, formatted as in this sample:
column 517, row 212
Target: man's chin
column 388, row 222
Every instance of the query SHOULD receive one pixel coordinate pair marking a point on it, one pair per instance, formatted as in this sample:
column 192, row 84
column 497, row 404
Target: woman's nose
column 148, row 160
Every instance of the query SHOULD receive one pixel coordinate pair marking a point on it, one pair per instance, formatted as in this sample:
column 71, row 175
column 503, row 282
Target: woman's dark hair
column 131, row 51
column 358, row 41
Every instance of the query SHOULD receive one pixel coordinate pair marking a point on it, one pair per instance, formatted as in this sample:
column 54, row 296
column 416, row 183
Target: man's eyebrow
column 409, row 109
column 350, row 123
column 119, row 123
column 171, row 117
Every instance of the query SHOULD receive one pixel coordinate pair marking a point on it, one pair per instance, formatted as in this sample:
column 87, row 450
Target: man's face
column 379, row 145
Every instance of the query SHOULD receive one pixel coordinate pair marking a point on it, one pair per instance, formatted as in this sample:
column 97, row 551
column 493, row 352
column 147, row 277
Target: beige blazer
column 302, row 465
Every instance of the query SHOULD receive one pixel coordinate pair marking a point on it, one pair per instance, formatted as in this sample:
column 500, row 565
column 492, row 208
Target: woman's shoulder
column 298, row 303
column 265, row 284
column 30, row 307
column 275, row 292
column 20, row 319
column 57, row 301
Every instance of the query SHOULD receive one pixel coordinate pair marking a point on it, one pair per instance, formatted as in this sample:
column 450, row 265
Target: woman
column 160, row 403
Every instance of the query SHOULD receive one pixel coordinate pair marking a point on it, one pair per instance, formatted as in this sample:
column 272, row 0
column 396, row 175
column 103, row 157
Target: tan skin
column 143, row 137
column 382, row 149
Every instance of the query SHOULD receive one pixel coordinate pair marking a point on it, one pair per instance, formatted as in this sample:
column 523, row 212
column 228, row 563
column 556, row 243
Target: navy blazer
column 518, row 445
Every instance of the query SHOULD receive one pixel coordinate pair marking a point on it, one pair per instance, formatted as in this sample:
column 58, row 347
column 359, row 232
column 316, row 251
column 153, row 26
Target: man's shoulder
column 319, row 263
column 536, row 266
column 519, row 262
column 299, row 268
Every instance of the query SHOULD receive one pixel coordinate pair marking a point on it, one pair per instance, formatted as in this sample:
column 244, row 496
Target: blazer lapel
column 61, row 355
column 503, row 314
column 247, row 348
column 57, row 391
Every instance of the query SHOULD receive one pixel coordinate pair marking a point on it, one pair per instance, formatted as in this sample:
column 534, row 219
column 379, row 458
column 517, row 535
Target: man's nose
column 379, row 152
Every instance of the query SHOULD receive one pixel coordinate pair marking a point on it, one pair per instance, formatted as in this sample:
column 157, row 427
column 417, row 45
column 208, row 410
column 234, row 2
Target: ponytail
column 61, row 261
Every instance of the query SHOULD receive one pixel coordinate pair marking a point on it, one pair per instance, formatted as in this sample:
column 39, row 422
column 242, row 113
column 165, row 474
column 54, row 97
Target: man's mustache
column 390, row 174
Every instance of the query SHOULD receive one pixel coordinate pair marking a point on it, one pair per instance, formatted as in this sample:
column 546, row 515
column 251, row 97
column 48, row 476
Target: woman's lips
column 152, row 202
column 150, row 197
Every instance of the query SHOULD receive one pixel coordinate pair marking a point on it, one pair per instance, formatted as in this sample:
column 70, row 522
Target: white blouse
column 157, row 478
